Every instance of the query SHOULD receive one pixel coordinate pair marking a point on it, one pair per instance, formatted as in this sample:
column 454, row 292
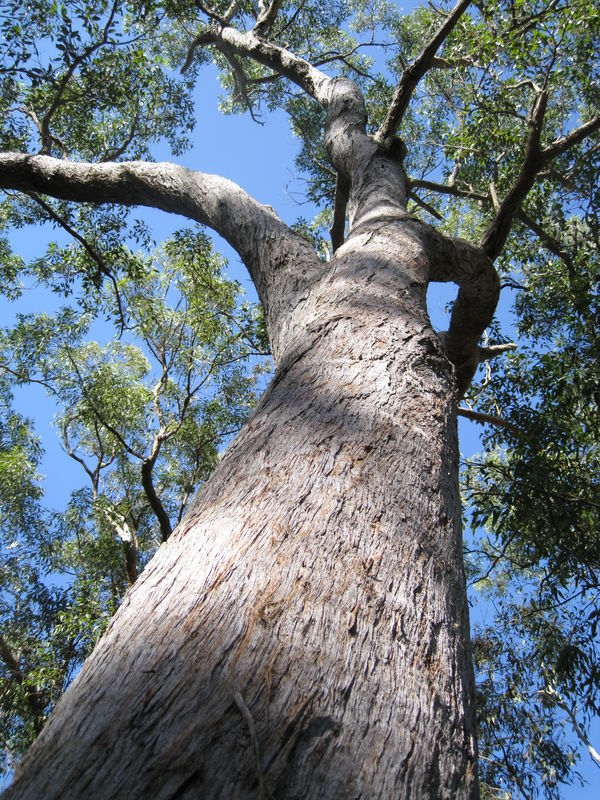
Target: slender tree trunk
column 304, row 632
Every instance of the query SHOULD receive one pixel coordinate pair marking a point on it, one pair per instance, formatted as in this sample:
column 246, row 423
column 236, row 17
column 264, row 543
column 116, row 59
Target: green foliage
column 536, row 493
column 165, row 396
column 91, row 80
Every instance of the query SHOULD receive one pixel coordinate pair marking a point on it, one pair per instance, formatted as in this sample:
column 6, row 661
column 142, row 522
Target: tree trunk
column 304, row 632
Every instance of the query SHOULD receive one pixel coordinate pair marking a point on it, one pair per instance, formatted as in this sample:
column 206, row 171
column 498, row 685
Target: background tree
column 144, row 415
column 496, row 112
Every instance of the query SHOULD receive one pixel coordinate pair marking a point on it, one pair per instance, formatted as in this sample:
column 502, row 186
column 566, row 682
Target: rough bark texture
column 315, row 590
column 304, row 632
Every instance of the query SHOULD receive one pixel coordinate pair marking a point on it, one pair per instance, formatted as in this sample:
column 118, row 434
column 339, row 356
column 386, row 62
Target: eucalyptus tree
column 304, row 631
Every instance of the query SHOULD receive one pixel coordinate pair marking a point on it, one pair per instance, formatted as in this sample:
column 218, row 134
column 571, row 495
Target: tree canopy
column 492, row 112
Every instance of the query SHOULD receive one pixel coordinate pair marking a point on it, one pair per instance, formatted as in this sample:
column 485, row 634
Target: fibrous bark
column 304, row 632
column 308, row 580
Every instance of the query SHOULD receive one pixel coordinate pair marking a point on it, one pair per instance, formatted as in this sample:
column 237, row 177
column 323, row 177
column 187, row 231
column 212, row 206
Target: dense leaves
column 145, row 416
column 537, row 494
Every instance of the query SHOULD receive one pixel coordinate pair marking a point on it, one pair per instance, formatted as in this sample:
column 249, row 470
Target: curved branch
column 457, row 261
column 153, row 498
column 314, row 82
column 282, row 265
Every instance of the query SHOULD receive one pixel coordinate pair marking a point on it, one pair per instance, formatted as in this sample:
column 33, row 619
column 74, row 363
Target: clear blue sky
column 261, row 160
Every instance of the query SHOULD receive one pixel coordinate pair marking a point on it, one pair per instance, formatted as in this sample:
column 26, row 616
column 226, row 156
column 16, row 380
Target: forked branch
column 267, row 13
column 314, row 82
column 536, row 158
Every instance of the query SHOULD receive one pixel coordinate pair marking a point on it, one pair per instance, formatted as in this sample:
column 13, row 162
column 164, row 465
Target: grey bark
column 304, row 632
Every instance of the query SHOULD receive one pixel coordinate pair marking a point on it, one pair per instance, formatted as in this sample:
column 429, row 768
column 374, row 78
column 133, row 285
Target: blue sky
column 261, row 160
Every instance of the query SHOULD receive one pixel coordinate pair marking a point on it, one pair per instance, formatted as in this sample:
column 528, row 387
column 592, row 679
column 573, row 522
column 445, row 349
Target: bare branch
column 240, row 79
column 151, row 495
column 492, row 351
column 201, row 40
column 460, row 262
column 576, row 136
column 497, row 233
column 449, row 189
column 314, row 82
column 267, row 13
column 486, row 419
column 425, row 206
column 536, row 157
column 580, row 733
column 413, row 74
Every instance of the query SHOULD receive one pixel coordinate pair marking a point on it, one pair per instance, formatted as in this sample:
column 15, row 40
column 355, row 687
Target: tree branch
column 495, row 350
column 549, row 242
column 45, row 134
column 497, row 233
column 478, row 416
column 338, row 226
column 413, row 74
column 460, row 262
column 314, row 82
column 443, row 188
column 33, row 698
column 249, row 227
column 91, row 251
column 536, row 157
column 576, row 136
column 267, row 14
column 579, row 731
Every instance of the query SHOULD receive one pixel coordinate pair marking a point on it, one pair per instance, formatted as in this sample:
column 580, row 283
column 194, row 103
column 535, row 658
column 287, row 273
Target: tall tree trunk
column 304, row 632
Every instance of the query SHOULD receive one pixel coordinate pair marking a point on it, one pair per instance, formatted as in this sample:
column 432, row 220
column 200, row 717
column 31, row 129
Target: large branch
column 458, row 261
column 497, row 233
column 310, row 79
column 281, row 264
column 413, row 74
